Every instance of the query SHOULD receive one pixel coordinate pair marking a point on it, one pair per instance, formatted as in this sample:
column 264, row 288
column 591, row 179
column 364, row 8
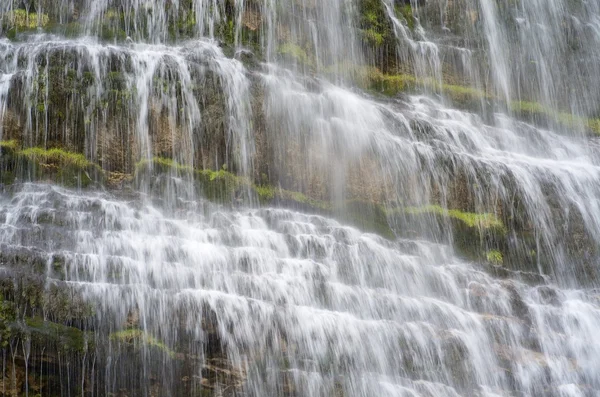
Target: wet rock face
column 263, row 300
column 256, row 106
column 115, row 106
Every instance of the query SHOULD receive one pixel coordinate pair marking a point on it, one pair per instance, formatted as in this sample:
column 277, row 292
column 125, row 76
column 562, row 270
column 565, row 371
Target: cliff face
column 469, row 123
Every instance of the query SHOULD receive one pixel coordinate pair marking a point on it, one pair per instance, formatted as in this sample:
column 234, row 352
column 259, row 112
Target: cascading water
column 250, row 215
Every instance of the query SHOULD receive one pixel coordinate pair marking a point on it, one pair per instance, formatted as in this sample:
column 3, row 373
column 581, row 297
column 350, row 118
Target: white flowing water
column 301, row 304
column 304, row 303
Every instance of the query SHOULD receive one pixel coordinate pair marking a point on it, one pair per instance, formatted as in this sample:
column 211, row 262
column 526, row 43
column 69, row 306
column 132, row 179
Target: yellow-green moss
column 302, row 199
column 373, row 37
column 594, row 125
column 268, row 193
column 217, row 184
column 57, row 157
column 21, row 20
column 495, row 257
column 136, row 336
column 533, row 109
column 67, row 338
column 11, row 145
column 162, row 164
column 375, row 27
column 393, row 84
column 406, row 12
column 468, row 96
column 368, row 216
column 265, row 193
column 295, row 52
column 482, row 221
column 61, row 166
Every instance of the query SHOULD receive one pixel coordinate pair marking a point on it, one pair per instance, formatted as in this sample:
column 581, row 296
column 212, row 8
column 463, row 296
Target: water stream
column 244, row 299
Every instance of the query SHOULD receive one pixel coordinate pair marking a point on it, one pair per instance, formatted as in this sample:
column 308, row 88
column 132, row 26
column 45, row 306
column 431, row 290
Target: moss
column 7, row 161
column 162, row 164
column 495, row 257
column 295, row 53
column 222, row 185
column 301, row 198
column 368, row 216
column 469, row 219
column 265, row 193
column 66, row 338
column 373, row 37
column 21, row 20
column 536, row 110
column 594, row 125
column 11, row 145
column 116, row 81
column 527, row 107
column 393, row 84
column 469, row 97
column 374, row 24
column 61, row 166
column 56, row 156
column 406, row 12
column 136, row 336
column 108, row 32
column 7, row 316
column 72, row 29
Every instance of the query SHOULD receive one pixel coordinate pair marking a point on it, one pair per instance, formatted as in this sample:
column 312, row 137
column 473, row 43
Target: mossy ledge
column 137, row 338
column 64, row 338
column 19, row 20
column 471, row 98
column 225, row 187
column 473, row 235
column 55, row 165
column 484, row 221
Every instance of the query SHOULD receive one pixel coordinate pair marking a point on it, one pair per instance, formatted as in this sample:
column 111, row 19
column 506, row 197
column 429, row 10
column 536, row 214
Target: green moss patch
column 495, row 257
column 469, row 219
column 11, row 145
column 61, row 166
column 477, row 236
column 222, row 185
column 295, row 53
column 469, row 98
column 57, row 165
column 63, row 337
column 533, row 110
column 138, row 337
column 368, row 216
column 21, row 20
column 7, row 161
column 373, row 37
column 406, row 12
column 375, row 27
column 393, row 84
column 56, row 157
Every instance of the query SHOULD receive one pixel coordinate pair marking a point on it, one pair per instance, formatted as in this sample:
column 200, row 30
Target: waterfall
column 300, row 198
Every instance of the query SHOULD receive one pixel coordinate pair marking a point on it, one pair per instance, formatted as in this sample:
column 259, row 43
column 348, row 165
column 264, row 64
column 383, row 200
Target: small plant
column 483, row 221
column 495, row 257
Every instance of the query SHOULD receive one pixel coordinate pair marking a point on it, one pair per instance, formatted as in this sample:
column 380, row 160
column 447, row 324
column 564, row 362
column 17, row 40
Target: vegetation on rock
column 134, row 336
column 22, row 20
column 481, row 221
